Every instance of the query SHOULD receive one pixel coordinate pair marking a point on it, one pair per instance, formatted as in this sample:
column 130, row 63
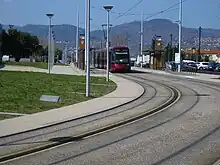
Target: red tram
column 119, row 59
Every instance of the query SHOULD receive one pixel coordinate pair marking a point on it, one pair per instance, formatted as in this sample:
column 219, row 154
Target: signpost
column 177, row 58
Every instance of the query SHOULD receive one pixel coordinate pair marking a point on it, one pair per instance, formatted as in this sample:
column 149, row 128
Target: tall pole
column 107, row 8
column 49, row 47
column 107, row 46
column 49, row 42
column 142, row 36
column 52, row 47
column 171, row 49
column 1, row 39
column 180, row 31
column 77, row 36
column 87, row 47
column 199, row 47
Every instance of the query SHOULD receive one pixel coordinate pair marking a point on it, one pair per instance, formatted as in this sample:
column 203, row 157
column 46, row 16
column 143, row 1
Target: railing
column 190, row 70
column 187, row 70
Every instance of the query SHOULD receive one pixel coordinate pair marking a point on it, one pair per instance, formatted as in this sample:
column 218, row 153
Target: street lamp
column 1, row 42
column 108, row 9
column 103, row 28
column 52, row 46
column 180, row 31
column 11, row 26
column 87, row 46
column 50, row 15
column 77, row 37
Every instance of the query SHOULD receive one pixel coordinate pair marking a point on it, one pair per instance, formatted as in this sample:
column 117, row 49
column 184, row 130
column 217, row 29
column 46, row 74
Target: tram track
column 149, row 124
column 214, row 86
column 175, row 95
column 90, row 146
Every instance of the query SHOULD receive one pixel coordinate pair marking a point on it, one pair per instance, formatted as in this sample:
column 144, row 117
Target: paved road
column 185, row 134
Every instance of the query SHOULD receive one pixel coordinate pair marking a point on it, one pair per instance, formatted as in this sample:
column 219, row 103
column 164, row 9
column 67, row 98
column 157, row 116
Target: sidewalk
column 57, row 69
column 199, row 76
column 23, row 68
column 42, row 119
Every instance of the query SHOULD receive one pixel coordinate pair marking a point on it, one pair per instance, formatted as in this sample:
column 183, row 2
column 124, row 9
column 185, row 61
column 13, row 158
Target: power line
column 151, row 15
column 165, row 10
column 118, row 13
column 135, row 5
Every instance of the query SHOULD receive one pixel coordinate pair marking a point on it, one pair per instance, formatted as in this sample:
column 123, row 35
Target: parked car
column 202, row 65
column 189, row 67
column 217, row 68
column 5, row 58
column 212, row 66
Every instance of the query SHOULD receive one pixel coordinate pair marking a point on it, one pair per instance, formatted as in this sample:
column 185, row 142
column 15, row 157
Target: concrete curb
column 12, row 114
column 217, row 162
column 189, row 76
column 77, row 69
column 10, row 123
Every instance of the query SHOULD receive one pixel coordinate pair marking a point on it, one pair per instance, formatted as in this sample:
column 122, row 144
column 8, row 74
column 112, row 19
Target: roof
column 217, row 52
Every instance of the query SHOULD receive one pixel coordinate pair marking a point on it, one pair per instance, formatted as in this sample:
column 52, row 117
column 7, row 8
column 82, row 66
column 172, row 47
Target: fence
column 188, row 70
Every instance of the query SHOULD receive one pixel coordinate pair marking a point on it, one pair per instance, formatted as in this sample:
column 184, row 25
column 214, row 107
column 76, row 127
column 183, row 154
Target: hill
column 127, row 33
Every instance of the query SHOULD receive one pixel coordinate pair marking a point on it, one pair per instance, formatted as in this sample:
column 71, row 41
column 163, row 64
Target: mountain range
column 127, row 33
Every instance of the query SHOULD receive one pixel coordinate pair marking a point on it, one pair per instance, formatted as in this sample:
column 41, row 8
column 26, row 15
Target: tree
column 58, row 54
column 20, row 44
column 169, row 52
column 5, row 43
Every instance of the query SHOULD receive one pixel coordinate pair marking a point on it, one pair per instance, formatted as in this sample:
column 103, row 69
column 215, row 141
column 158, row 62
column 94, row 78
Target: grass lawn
column 21, row 91
column 42, row 65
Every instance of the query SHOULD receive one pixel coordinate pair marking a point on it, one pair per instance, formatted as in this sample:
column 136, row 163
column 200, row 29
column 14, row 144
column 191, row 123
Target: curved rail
column 175, row 96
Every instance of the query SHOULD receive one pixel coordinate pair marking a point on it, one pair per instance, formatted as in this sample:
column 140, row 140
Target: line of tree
column 19, row 45
column 169, row 52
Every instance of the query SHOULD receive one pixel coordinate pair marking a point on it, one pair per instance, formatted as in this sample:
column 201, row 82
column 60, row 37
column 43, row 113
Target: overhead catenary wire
column 165, row 10
column 133, row 14
column 150, row 15
column 118, row 13
column 134, row 6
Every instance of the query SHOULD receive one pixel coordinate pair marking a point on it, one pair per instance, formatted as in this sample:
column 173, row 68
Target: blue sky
column 205, row 13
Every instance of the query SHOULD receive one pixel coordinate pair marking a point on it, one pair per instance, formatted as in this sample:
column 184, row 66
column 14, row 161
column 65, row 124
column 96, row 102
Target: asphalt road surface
column 185, row 134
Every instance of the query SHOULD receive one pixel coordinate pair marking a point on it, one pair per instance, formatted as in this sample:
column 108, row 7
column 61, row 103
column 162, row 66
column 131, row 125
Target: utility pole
column 142, row 36
column 180, row 31
column 199, row 47
column 108, row 9
column 53, row 47
column 1, row 39
column 50, row 15
column 77, row 36
column 171, row 49
column 87, row 46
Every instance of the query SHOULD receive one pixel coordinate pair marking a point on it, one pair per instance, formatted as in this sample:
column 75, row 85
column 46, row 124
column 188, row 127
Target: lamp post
column 142, row 37
column 11, row 26
column 53, row 47
column 1, row 38
column 103, row 28
column 108, row 9
column 77, row 37
column 180, row 31
column 199, row 46
column 50, row 15
column 87, row 46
